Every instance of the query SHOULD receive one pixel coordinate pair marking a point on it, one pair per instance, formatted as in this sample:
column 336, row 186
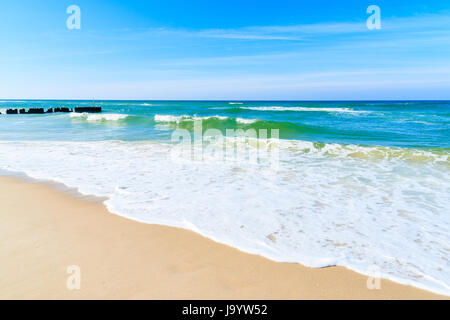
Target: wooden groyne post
column 54, row 110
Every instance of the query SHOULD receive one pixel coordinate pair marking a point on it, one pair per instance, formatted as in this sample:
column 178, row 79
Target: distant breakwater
column 54, row 110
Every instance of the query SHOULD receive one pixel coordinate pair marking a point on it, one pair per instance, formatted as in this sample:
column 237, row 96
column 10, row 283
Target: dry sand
column 44, row 230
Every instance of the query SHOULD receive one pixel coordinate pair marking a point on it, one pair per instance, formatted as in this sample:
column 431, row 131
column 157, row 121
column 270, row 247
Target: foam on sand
column 325, row 205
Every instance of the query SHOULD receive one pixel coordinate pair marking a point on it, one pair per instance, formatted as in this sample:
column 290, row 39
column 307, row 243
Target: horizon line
column 239, row 100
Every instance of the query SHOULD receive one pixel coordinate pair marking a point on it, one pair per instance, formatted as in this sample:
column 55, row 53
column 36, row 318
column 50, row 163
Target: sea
column 359, row 184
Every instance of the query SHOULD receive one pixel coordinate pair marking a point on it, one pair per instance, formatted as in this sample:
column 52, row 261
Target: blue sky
column 266, row 50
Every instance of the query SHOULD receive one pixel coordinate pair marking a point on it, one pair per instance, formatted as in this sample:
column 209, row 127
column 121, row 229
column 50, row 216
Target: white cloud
column 306, row 31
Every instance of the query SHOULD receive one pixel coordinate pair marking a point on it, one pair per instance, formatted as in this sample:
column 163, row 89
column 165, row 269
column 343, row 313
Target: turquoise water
column 364, row 185
column 399, row 124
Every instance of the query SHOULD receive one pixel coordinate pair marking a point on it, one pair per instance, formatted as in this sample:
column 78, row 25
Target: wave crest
column 301, row 109
column 179, row 119
column 99, row 117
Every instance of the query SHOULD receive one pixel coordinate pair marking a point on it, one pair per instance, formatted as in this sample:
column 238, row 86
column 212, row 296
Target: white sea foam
column 178, row 119
column 168, row 118
column 235, row 103
column 246, row 121
column 99, row 117
column 278, row 108
column 326, row 205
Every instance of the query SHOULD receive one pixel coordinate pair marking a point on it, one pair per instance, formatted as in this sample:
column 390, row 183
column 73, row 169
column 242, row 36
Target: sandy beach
column 44, row 230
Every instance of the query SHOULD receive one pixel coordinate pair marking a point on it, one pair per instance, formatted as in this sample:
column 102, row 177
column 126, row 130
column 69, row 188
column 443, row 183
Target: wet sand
column 44, row 230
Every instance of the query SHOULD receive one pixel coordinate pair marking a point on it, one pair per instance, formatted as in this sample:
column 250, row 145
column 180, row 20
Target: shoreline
column 120, row 258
